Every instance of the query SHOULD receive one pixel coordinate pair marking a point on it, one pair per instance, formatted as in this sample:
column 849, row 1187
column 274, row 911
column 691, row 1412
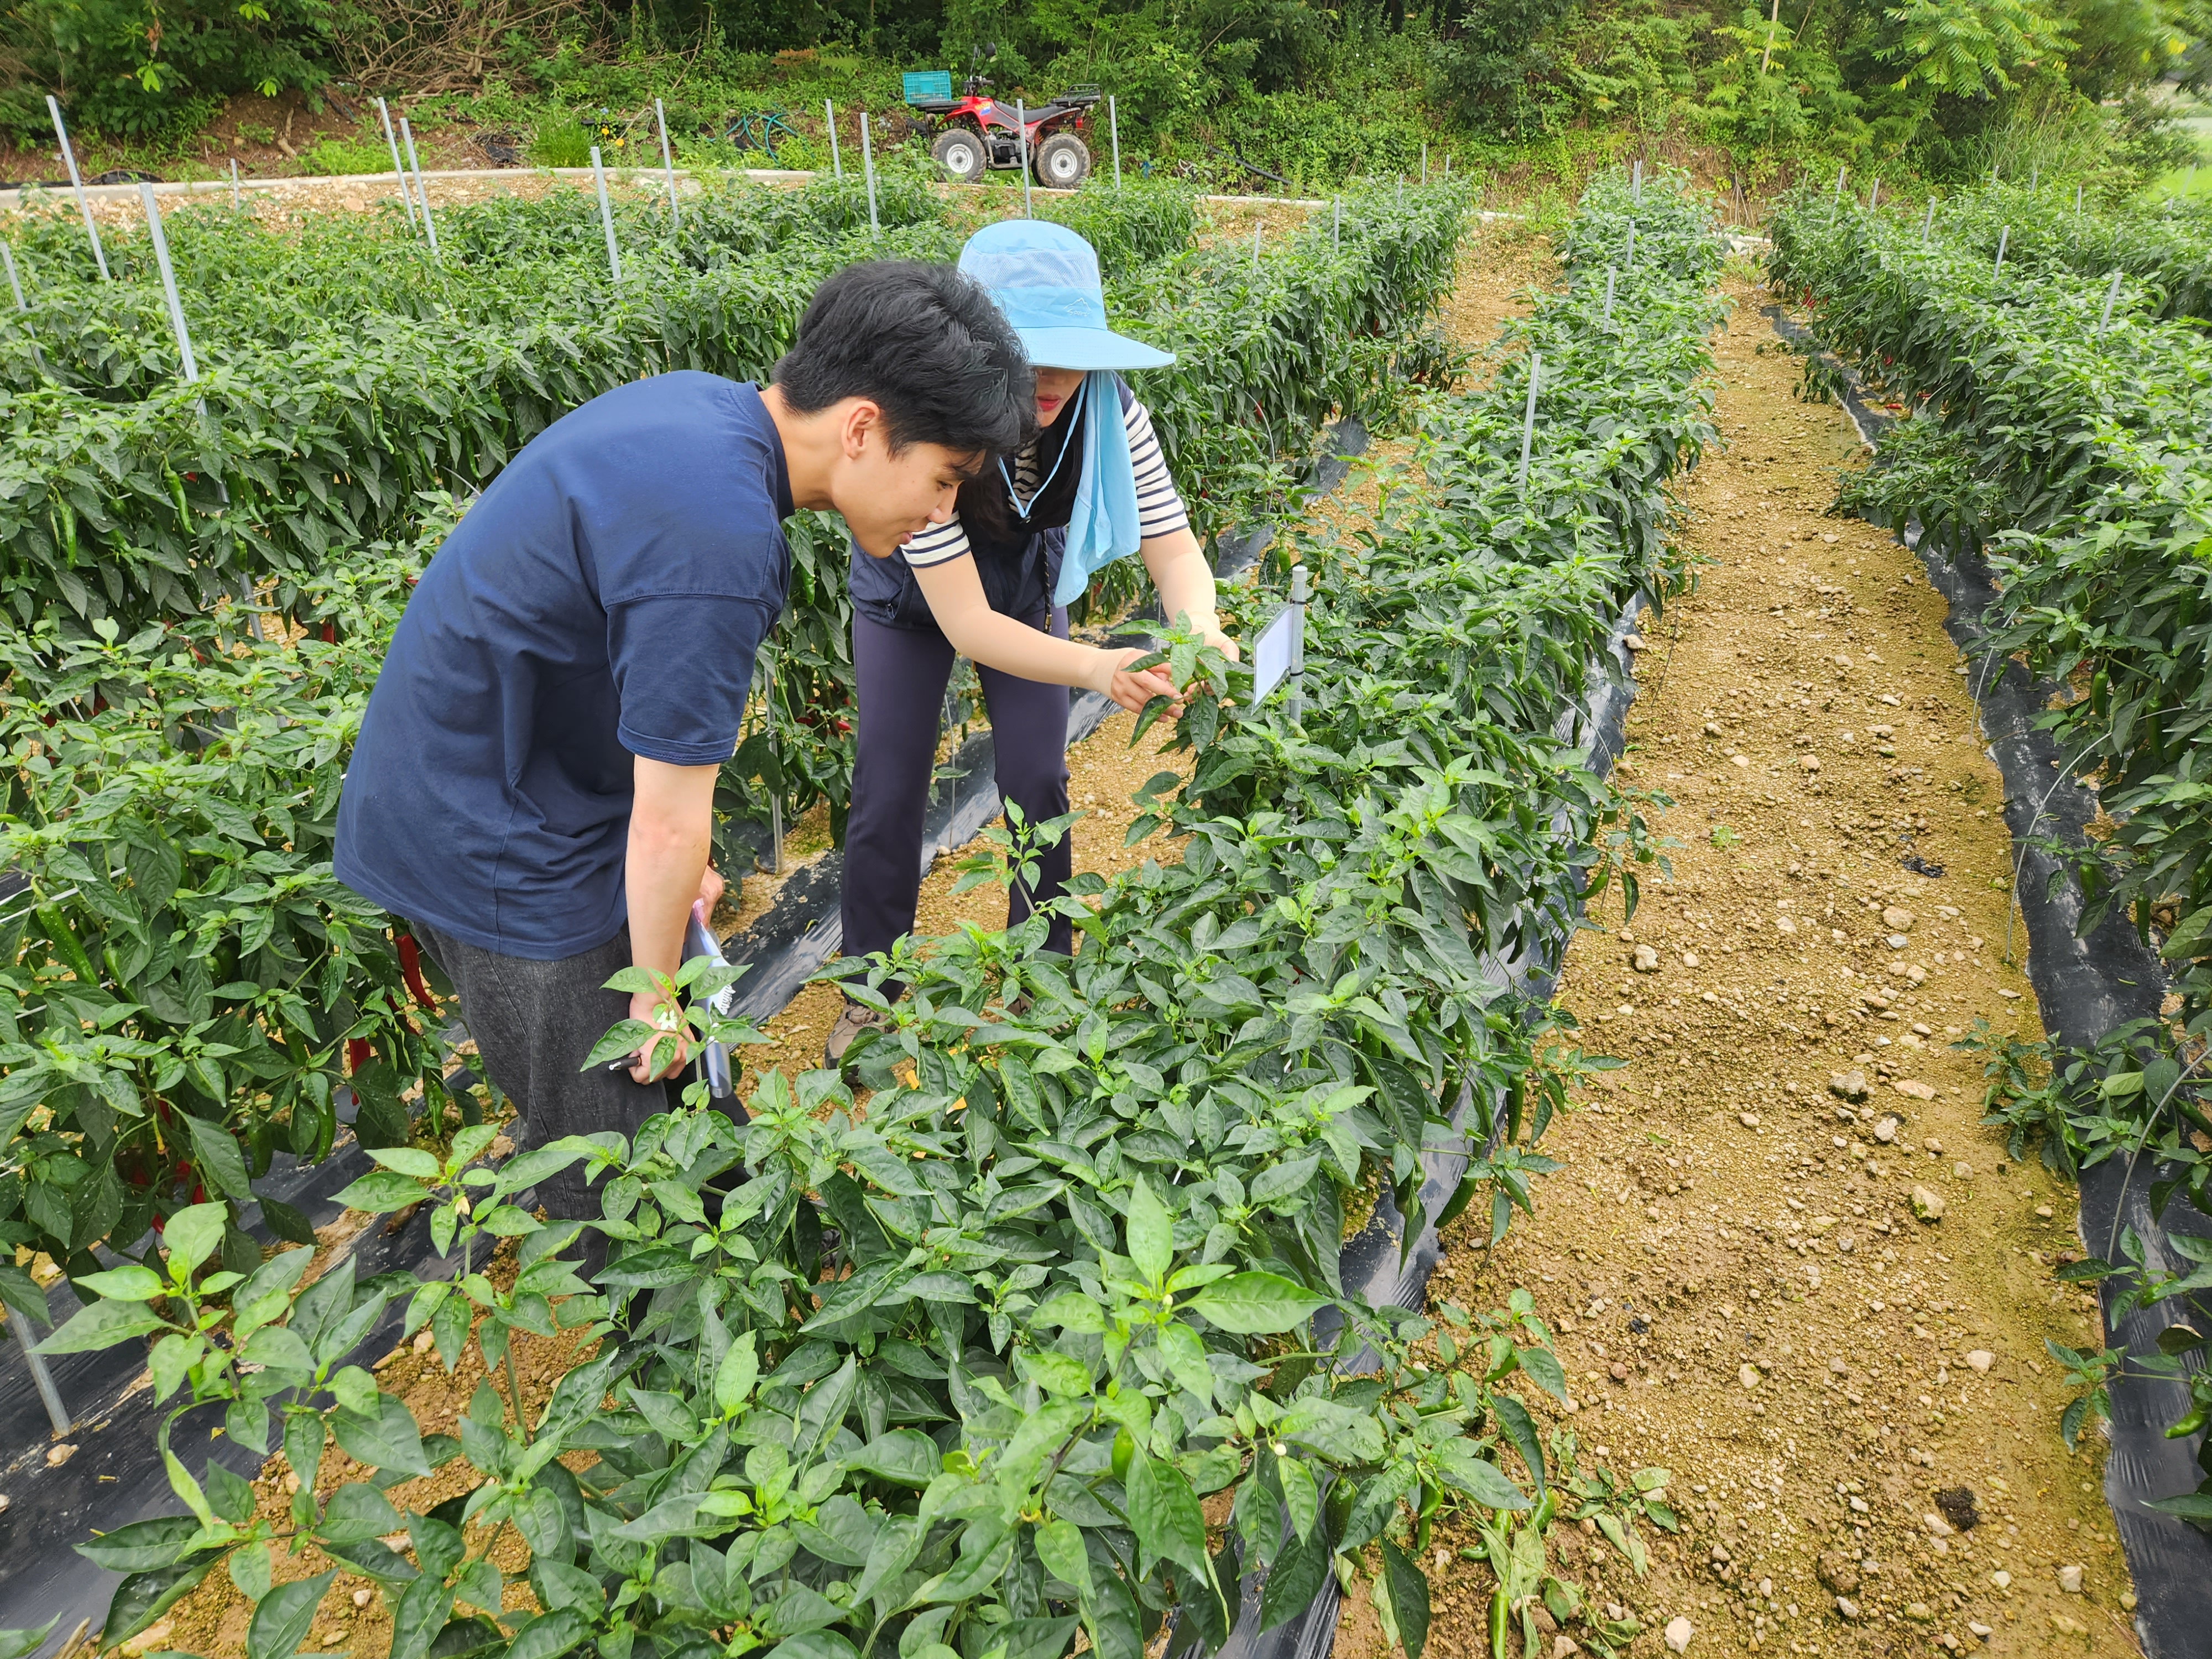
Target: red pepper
column 411, row 969
column 329, row 633
column 357, row 1053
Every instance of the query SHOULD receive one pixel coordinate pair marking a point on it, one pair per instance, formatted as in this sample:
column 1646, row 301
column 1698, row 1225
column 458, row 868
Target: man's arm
column 670, row 829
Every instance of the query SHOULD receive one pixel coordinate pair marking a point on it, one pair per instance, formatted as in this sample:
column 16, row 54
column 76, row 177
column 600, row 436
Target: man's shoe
column 853, row 1019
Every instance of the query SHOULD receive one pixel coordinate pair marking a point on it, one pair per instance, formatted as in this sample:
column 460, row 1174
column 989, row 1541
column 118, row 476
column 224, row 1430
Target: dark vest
column 1019, row 567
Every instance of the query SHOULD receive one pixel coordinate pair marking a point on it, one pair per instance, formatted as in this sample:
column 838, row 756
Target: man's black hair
column 924, row 343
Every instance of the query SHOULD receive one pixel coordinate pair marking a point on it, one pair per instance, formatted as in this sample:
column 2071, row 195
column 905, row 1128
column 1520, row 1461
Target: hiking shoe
column 853, row 1019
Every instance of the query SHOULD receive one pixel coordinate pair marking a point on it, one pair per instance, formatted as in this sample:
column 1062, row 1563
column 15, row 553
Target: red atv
column 981, row 131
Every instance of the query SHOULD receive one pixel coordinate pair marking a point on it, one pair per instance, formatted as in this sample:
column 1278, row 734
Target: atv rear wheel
column 961, row 154
column 1062, row 162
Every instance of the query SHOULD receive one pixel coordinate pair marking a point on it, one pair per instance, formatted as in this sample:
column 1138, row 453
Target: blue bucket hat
column 1045, row 279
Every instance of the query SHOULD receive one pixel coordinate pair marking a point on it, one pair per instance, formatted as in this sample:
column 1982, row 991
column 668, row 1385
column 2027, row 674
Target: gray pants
column 533, row 1023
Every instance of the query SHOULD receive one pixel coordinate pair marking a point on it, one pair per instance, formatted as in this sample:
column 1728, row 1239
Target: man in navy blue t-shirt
column 533, row 782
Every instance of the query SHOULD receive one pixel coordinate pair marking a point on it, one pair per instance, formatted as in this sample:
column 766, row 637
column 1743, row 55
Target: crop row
column 2073, row 455
column 201, row 985
column 246, row 286
column 2168, row 250
column 953, row 1377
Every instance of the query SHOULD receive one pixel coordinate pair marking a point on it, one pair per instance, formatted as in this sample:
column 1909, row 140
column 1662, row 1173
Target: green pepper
column 1501, row 1622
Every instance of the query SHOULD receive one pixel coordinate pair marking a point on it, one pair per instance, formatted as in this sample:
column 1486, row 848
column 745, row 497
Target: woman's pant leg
column 1028, row 737
column 901, row 674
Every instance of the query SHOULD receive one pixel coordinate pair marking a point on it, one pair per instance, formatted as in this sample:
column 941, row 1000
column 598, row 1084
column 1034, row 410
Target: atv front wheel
column 1062, row 162
column 960, row 153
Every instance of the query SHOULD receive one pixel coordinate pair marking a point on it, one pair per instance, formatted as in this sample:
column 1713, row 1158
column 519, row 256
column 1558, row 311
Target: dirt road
column 1784, row 1260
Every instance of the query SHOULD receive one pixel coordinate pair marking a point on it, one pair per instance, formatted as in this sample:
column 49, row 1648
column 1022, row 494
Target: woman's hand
column 1133, row 690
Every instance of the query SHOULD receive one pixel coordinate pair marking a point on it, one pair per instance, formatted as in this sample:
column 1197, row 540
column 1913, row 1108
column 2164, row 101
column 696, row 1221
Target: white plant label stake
column 2004, row 237
column 1113, row 127
column 99, row 253
column 1528, row 420
column 1022, row 133
column 2111, row 294
column 1929, row 223
column 1607, row 321
column 829, row 119
column 868, row 171
column 234, row 184
column 606, row 216
column 8, row 258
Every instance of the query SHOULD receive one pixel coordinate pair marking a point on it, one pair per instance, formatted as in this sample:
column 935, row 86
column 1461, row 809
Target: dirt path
column 1741, row 1288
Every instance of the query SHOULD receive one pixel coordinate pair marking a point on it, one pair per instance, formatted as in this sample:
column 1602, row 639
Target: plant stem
column 514, row 1393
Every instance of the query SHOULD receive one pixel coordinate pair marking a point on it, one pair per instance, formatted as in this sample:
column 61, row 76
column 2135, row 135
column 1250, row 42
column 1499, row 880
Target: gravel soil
column 1785, row 1261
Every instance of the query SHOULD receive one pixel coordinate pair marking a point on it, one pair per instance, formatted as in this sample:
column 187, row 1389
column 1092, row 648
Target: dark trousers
column 902, row 672
column 533, row 1023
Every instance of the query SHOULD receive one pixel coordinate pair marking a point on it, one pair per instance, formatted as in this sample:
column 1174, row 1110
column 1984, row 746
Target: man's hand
column 664, row 873
column 1133, row 690
column 711, row 888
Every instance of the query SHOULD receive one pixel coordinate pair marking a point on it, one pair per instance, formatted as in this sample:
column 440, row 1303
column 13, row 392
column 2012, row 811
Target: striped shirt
column 1159, row 508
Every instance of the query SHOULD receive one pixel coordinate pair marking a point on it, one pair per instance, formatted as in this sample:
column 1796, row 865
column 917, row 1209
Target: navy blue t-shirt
column 602, row 599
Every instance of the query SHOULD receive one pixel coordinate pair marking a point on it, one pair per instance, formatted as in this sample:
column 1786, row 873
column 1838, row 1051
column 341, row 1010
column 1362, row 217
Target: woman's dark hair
column 984, row 510
column 924, row 343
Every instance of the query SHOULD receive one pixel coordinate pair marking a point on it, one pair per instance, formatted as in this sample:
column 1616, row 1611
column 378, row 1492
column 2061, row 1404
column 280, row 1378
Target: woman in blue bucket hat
column 993, row 583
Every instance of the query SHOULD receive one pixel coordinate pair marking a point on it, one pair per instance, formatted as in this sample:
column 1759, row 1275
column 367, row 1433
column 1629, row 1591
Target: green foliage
column 954, row 1374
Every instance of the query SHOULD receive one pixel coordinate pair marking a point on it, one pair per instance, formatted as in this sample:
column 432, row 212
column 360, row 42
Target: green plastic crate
column 925, row 83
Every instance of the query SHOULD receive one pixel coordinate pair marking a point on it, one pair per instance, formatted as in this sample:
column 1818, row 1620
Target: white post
column 2034, row 175
column 398, row 169
column 1336, row 224
column 8, row 258
column 1927, row 224
column 1255, row 247
column 1301, row 596
column 1838, row 195
column 1114, row 126
column 1401, row 190
column 421, row 190
column 2004, row 237
column 868, row 171
column 1874, row 200
column 829, row 119
column 1607, row 321
column 1629, row 257
column 2111, row 294
column 1636, row 182
column 606, row 216
column 1424, row 164
column 1528, row 420
column 2077, row 201
column 49, row 1395
column 99, row 253
column 234, row 184
column 667, row 165
column 1022, row 133
column 161, row 242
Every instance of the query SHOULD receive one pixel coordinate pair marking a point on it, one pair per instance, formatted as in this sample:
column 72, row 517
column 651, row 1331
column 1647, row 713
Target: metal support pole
column 160, row 241
column 1528, row 420
column 1838, row 195
column 234, row 203
column 868, row 171
column 1022, row 132
column 1607, row 321
column 1255, row 247
column 1873, row 198
column 421, row 190
column 2111, row 294
column 1424, row 164
column 1114, row 126
column 1401, row 190
column 1927, row 224
column 76, row 184
column 2077, row 201
column 830, row 118
column 398, row 167
column 1636, row 182
column 49, row 1394
column 1301, row 597
column 1336, row 225
column 15, row 282
column 606, row 216
column 1629, row 257
column 2004, row 237
column 667, row 166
